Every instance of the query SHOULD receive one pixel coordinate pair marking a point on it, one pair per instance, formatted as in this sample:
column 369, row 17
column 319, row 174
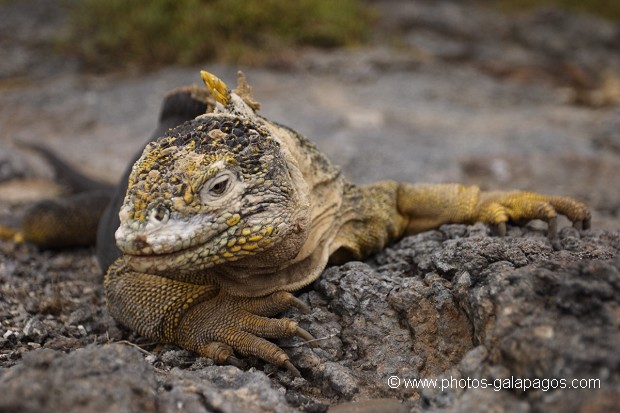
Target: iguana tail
column 62, row 222
column 72, row 180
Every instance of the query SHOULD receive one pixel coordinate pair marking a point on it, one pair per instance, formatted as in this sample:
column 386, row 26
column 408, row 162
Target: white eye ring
column 217, row 187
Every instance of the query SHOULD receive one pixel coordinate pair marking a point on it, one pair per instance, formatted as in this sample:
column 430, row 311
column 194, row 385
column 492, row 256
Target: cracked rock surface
column 454, row 305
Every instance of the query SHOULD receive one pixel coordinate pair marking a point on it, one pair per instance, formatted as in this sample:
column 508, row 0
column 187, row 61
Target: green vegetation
column 146, row 33
column 609, row 9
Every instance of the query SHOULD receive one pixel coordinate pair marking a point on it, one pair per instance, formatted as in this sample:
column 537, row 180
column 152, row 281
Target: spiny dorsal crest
column 238, row 102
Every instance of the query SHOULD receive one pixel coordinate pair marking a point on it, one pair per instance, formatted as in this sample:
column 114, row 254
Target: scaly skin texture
column 229, row 213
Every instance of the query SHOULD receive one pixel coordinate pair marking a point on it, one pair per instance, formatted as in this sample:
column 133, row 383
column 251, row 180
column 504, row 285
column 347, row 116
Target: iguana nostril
column 140, row 242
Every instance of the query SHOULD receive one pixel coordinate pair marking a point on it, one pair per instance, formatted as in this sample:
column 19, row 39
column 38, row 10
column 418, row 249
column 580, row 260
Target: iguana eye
column 217, row 187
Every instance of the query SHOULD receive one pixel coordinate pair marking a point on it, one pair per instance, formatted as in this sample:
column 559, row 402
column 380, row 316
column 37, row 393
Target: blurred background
column 505, row 94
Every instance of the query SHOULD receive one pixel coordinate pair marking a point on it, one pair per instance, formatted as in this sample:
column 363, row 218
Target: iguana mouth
column 201, row 251
column 175, row 236
column 194, row 257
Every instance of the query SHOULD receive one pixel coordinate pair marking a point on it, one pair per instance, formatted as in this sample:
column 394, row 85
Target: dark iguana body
column 225, row 215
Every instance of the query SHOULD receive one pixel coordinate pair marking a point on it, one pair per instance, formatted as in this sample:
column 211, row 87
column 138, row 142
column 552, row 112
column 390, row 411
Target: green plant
column 117, row 33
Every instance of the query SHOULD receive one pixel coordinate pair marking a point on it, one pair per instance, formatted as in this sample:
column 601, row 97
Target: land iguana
column 226, row 213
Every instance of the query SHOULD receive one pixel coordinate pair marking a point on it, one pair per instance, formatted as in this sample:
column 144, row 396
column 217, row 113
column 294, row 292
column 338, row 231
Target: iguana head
column 217, row 189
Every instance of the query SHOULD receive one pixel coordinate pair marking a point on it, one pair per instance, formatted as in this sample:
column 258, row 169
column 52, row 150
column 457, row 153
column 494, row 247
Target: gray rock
column 111, row 378
column 453, row 306
column 607, row 134
column 477, row 308
column 222, row 389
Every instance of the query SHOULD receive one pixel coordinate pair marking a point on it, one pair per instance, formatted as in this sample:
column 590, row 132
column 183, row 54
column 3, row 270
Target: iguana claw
column 289, row 366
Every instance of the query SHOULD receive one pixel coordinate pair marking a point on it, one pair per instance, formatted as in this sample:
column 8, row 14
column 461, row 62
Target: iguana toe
column 227, row 324
column 498, row 208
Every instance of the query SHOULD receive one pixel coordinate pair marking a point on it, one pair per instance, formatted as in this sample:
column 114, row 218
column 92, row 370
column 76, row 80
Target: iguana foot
column 498, row 208
column 227, row 324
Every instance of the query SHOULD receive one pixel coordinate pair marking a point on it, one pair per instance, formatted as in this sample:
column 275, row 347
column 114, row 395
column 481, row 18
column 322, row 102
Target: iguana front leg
column 202, row 317
column 427, row 206
column 377, row 214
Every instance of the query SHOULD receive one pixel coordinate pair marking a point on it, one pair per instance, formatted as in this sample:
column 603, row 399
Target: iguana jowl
column 227, row 214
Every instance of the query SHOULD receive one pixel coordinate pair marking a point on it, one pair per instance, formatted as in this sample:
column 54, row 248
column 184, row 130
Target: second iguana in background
column 225, row 215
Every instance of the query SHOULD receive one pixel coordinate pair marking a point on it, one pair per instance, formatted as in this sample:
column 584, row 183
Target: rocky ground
column 461, row 94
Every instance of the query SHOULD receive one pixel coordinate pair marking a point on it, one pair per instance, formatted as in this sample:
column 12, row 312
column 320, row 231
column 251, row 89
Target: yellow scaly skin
column 227, row 214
